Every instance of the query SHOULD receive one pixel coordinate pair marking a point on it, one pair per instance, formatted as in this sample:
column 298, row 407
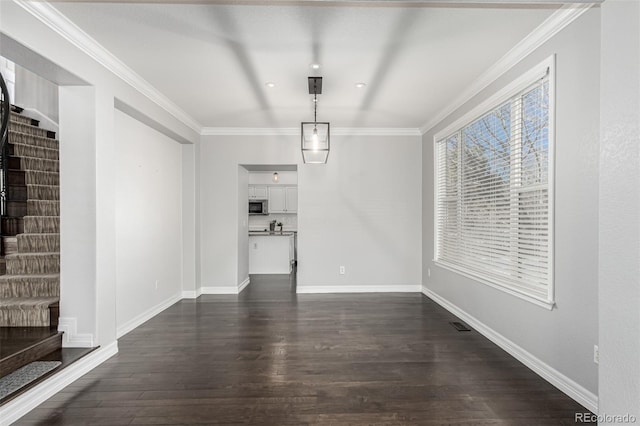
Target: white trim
column 190, row 294
column 21, row 405
column 243, row 284
column 147, row 315
column 62, row 25
column 219, row 290
column 550, row 27
column 71, row 338
column 359, row 289
column 295, row 131
column 581, row 395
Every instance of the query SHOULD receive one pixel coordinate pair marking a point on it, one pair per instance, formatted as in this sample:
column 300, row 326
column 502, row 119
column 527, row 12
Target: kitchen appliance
column 258, row 207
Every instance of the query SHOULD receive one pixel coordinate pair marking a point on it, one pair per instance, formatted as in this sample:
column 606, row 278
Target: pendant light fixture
column 275, row 177
column 315, row 135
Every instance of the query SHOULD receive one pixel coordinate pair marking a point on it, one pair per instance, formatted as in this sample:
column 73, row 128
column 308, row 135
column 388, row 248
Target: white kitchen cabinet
column 257, row 192
column 283, row 199
column 270, row 254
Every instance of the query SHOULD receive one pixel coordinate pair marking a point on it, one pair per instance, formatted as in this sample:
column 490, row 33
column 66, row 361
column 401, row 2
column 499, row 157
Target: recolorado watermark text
column 604, row 418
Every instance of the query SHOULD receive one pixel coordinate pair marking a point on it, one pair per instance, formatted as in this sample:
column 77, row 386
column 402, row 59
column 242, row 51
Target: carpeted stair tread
column 12, row 286
column 22, row 150
column 39, row 164
column 19, row 118
column 41, row 224
column 28, row 129
column 41, row 242
column 23, row 138
column 43, row 192
column 43, row 208
column 36, row 177
column 26, row 311
column 33, row 263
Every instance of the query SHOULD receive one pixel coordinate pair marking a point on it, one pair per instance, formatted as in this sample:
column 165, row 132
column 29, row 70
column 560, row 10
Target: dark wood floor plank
column 271, row 357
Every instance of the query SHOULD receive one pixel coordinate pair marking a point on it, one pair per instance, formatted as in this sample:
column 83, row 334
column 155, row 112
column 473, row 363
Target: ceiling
column 214, row 60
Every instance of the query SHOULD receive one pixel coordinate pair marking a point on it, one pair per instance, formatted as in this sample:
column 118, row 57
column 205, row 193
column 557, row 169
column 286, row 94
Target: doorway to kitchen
column 269, row 241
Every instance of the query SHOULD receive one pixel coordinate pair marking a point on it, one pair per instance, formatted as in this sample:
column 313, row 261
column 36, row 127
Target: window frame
column 503, row 95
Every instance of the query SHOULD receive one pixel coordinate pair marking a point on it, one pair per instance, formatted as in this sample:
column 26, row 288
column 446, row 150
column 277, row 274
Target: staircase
column 30, row 290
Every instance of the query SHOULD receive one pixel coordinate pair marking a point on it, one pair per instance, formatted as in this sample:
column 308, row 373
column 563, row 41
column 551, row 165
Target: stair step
column 41, row 224
column 12, row 225
column 38, row 164
column 26, row 311
column 34, row 243
column 21, row 150
column 46, row 285
column 16, row 192
column 27, row 345
column 23, row 119
column 33, row 263
column 43, row 192
column 29, row 129
column 34, row 177
column 9, row 244
column 25, row 139
column 43, row 208
column 17, row 208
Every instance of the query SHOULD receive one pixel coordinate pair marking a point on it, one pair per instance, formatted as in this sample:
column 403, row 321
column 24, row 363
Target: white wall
column 51, row 55
column 564, row 337
column 36, row 93
column 148, row 219
column 361, row 210
column 620, row 210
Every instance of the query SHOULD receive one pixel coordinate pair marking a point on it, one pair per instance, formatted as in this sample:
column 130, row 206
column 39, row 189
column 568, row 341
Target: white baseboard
column 243, row 284
column 190, row 294
column 21, row 405
column 219, row 290
column 581, row 395
column 359, row 289
column 147, row 315
column 71, row 338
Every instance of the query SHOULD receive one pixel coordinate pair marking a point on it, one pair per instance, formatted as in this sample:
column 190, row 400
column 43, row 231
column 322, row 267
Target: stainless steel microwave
column 258, row 207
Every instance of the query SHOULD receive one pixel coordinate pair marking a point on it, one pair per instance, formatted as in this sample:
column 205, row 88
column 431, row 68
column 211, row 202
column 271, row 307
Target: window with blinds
column 493, row 193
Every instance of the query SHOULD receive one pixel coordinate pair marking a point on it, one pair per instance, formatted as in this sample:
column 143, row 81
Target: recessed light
column 315, row 66
column 270, row 84
column 360, row 85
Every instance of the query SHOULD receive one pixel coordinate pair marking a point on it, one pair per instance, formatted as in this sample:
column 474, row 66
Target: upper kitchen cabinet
column 283, row 199
column 258, row 192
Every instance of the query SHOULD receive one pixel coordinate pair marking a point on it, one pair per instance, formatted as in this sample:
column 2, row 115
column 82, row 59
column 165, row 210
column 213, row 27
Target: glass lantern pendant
column 315, row 135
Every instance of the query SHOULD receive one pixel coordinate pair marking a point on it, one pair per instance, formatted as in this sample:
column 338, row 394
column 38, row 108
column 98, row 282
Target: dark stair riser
column 29, row 286
column 24, row 139
column 33, row 353
column 12, row 225
column 33, row 264
column 19, row 150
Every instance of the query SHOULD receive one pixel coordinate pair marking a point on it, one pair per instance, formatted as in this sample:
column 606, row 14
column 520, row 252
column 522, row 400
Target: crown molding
column 295, row 131
column 550, row 27
column 62, row 25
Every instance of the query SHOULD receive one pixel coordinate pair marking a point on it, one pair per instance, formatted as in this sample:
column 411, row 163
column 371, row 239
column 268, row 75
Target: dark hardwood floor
column 271, row 357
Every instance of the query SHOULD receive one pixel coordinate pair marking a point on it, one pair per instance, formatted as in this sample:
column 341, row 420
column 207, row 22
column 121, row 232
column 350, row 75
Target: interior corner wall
column 360, row 210
column 619, row 296
column 148, row 220
column 189, row 220
column 243, row 224
column 34, row 92
column 564, row 337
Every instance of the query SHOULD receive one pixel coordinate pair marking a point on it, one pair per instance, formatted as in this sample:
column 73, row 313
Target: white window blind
column 493, row 210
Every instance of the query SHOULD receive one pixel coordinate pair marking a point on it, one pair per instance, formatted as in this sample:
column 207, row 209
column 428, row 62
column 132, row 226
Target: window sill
column 469, row 274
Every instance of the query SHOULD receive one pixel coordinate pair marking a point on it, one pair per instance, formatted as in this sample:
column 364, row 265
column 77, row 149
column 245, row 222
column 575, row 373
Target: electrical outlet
column 156, row 284
column 428, row 272
column 596, row 354
column 341, row 270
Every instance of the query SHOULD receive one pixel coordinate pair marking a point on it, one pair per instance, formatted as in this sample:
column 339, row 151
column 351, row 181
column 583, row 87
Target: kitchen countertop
column 271, row 234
